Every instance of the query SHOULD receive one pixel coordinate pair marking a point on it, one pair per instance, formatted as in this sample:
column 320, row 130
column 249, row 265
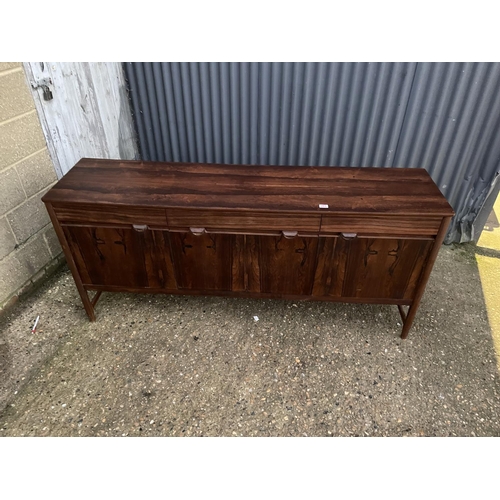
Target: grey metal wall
column 440, row 116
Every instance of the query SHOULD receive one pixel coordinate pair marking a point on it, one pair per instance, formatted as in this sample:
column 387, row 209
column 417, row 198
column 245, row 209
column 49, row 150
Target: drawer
column 243, row 222
column 380, row 225
column 96, row 214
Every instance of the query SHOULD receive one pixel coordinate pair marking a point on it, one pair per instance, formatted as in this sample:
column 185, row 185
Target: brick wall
column 28, row 245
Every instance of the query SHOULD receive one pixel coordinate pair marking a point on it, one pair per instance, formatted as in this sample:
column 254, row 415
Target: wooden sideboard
column 368, row 235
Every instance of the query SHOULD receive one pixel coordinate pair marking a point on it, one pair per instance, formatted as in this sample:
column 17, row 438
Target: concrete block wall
column 28, row 244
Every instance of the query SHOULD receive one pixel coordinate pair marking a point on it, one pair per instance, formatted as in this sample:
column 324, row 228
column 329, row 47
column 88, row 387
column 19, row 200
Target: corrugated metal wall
column 440, row 116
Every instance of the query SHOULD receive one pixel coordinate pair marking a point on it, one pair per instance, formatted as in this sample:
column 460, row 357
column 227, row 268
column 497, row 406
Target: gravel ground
column 158, row 365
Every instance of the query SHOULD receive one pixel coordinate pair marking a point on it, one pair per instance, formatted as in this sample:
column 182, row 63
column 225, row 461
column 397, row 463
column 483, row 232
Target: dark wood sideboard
column 368, row 235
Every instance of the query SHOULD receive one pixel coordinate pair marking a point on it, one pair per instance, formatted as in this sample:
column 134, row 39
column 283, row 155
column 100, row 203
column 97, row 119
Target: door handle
column 349, row 236
column 140, row 227
column 197, row 231
column 289, row 234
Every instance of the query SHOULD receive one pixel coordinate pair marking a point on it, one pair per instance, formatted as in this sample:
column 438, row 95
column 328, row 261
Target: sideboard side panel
column 424, row 276
column 87, row 303
column 421, row 259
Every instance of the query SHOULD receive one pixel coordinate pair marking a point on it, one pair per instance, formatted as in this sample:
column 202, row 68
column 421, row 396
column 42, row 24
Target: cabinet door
column 330, row 269
column 287, row 265
column 202, row 262
column 245, row 264
column 381, row 268
column 121, row 256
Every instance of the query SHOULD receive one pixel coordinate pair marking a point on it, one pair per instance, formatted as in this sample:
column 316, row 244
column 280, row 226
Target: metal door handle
column 349, row 236
column 289, row 234
column 197, row 231
column 140, row 227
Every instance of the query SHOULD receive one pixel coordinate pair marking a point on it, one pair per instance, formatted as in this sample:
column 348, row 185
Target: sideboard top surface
column 409, row 191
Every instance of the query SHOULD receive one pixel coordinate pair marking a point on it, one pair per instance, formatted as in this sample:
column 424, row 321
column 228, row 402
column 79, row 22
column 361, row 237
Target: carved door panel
column 287, row 265
column 245, row 264
column 381, row 268
column 330, row 269
column 121, row 256
column 202, row 262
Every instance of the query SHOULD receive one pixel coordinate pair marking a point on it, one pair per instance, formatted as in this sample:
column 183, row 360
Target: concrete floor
column 157, row 365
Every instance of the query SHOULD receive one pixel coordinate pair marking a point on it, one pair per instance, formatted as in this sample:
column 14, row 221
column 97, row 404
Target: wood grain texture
column 424, row 277
column 287, row 265
column 157, row 259
column 250, row 231
column 111, row 256
column 248, row 221
column 239, row 280
column 203, row 262
column 252, row 264
column 420, row 260
column 380, row 225
column 98, row 214
column 246, row 264
column 382, row 267
column 122, row 257
column 252, row 187
column 330, row 269
column 77, row 254
column 66, row 247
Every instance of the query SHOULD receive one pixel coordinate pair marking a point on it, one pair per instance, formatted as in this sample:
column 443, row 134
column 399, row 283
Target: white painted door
column 86, row 112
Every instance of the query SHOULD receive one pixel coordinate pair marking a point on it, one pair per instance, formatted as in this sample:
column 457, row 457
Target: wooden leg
column 96, row 297
column 87, row 303
column 91, row 308
column 402, row 312
column 408, row 320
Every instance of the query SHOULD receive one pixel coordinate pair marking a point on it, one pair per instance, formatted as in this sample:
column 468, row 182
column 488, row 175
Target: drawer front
column 380, row 225
column 243, row 222
column 154, row 217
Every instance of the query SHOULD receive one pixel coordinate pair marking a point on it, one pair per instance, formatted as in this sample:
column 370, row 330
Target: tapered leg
column 96, row 297
column 87, row 303
column 408, row 321
column 402, row 312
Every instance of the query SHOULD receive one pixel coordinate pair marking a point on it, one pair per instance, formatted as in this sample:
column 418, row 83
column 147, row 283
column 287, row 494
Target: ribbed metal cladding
column 452, row 128
column 440, row 116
